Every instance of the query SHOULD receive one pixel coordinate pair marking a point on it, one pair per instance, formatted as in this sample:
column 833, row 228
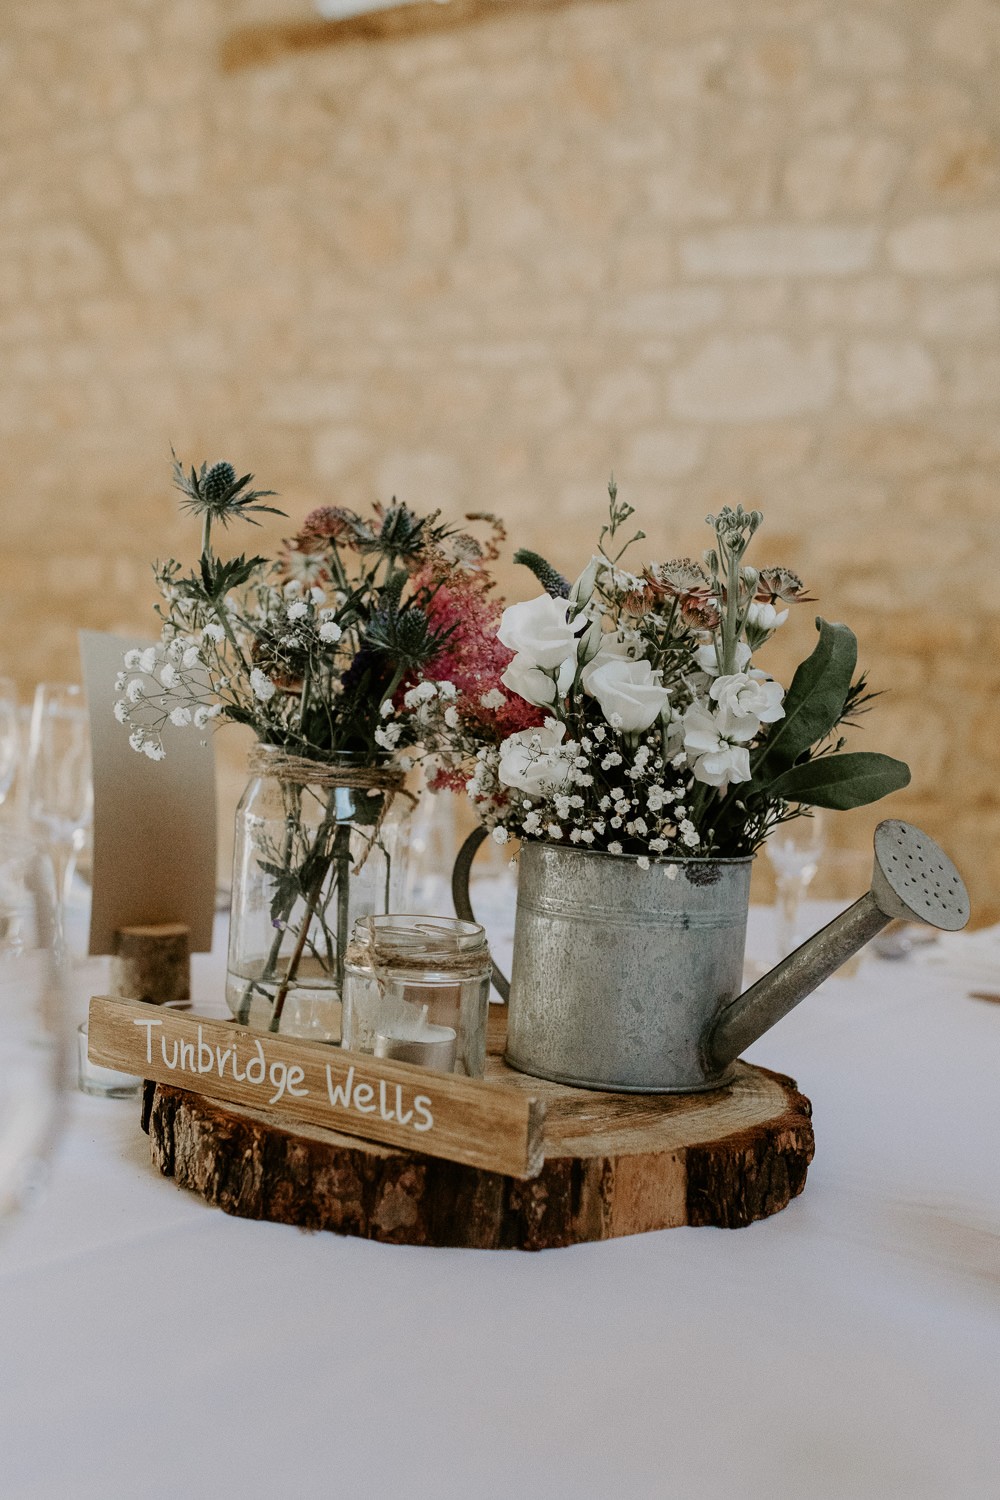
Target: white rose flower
column 540, row 631
column 765, row 617
column 750, row 695
column 716, row 745
column 532, row 760
column 630, row 692
column 263, row 687
column 535, row 685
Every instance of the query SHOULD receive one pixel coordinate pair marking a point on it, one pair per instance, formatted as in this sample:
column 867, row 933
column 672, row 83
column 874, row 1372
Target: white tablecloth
column 150, row 1346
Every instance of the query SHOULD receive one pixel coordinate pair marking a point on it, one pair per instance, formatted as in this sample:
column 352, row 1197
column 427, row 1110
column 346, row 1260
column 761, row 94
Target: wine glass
column 34, row 1026
column 794, row 849
column 10, row 739
column 60, row 791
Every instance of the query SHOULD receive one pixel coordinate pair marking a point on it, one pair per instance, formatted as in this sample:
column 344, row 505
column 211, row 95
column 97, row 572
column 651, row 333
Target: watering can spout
column 912, row 880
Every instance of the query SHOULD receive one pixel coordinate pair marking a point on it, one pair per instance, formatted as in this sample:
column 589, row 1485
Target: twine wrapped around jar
column 382, row 956
column 297, row 770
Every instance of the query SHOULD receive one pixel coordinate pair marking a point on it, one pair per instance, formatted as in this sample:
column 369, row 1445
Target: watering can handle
column 462, row 901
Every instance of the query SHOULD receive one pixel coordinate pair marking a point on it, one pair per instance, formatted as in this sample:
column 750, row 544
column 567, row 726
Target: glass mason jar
column 417, row 989
column 317, row 847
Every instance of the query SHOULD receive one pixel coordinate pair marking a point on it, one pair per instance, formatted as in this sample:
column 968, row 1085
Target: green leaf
column 842, row 781
column 813, row 704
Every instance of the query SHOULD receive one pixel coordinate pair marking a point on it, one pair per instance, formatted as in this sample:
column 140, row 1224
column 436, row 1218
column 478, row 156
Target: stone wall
column 728, row 250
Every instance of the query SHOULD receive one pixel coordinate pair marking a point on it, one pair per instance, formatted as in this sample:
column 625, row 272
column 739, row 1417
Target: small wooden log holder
column 152, row 962
column 615, row 1164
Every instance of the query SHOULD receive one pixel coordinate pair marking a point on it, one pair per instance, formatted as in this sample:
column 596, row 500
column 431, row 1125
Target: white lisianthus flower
column 533, row 761
column 765, row 617
column 329, row 632
column 750, row 695
column 536, row 686
column 707, row 661
column 263, row 687
column 630, row 692
column 540, row 631
column 716, row 745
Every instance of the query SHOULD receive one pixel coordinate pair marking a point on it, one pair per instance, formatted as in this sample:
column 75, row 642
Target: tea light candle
column 420, row 1042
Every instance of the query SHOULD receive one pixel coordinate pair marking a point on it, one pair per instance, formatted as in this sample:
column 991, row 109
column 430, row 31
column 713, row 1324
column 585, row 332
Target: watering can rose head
column 657, row 732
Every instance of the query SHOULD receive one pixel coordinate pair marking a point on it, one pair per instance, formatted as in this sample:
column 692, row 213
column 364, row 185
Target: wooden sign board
column 482, row 1125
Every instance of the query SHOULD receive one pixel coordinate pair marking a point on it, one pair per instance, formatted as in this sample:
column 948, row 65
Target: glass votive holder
column 105, row 1083
column 417, row 989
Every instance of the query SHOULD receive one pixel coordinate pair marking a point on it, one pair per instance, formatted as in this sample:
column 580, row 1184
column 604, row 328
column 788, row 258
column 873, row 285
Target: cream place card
column 154, row 821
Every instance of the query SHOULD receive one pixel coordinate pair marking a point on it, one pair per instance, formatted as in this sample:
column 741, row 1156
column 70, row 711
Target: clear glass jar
column 311, row 857
column 417, row 989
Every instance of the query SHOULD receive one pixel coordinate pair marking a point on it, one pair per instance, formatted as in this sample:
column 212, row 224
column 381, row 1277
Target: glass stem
column 341, row 858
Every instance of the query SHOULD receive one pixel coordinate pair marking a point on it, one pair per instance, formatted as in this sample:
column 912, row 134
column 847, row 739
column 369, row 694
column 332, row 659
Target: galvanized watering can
column 629, row 979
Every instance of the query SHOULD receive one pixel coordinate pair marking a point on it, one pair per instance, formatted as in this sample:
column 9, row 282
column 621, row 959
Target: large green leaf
column 813, row 703
column 842, row 781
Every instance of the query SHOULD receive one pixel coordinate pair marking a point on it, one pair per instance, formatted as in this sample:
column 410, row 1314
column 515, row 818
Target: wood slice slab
column 615, row 1164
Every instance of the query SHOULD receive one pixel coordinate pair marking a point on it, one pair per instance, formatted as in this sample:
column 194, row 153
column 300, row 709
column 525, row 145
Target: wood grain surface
column 615, row 1164
column 295, row 1083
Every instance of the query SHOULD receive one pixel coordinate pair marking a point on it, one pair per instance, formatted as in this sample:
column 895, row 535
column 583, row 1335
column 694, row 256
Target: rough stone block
column 779, row 250
column 860, row 41
column 959, row 244
column 753, row 378
column 664, row 453
column 887, row 376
